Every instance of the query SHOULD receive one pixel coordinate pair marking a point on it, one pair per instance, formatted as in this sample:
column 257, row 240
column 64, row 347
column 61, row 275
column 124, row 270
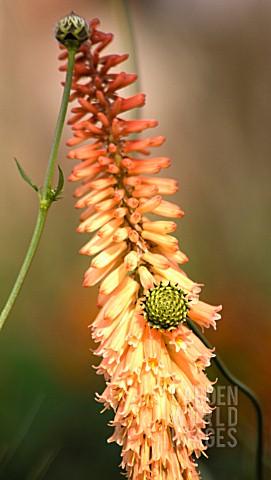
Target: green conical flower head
column 72, row 31
column 165, row 306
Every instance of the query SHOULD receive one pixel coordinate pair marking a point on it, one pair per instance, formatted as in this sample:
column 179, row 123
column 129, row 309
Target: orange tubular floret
column 109, row 254
column 160, row 226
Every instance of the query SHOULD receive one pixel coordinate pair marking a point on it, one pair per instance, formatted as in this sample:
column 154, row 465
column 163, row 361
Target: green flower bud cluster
column 165, row 306
column 72, row 31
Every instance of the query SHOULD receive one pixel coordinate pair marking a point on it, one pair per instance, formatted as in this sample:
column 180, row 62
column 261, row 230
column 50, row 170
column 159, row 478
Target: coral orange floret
column 152, row 362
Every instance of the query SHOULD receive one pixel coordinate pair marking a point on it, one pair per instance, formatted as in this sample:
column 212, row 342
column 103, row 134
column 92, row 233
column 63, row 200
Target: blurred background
column 205, row 67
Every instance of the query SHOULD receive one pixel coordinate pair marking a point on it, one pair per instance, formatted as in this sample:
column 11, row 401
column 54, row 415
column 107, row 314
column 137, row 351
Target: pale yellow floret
column 95, row 275
column 110, row 227
column 178, row 278
column 95, row 221
column 146, row 278
column 113, row 279
column 106, row 204
column 168, row 209
column 103, row 183
column 160, row 226
column 131, row 261
column 148, row 205
column 94, row 197
column 95, row 245
column 122, row 298
column 155, row 259
column 205, row 314
column 108, row 255
column 160, row 239
column 121, row 234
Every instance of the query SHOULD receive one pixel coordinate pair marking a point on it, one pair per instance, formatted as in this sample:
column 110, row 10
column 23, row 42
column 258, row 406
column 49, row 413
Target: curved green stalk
column 47, row 187
column 235, row 381
column 47, row 196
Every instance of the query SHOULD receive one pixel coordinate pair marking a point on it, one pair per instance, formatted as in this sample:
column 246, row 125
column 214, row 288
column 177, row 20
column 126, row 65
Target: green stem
column 251, row 395
column 59, row 126
column 47, row 196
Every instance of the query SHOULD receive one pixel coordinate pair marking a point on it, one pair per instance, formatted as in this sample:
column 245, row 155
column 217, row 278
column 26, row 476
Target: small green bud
column 72, row 31
column 165, row 307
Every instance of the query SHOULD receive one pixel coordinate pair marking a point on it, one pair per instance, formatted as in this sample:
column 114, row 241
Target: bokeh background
column 205, row 67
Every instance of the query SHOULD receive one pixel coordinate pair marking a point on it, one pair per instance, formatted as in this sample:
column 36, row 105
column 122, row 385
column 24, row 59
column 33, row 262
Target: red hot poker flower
column 152, row 362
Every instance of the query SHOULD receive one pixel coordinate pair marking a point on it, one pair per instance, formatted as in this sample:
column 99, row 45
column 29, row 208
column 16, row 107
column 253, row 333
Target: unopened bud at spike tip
column 72, row 31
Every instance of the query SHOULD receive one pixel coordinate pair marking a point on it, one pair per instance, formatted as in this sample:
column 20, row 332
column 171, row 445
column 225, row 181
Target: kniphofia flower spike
column 152, row 362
